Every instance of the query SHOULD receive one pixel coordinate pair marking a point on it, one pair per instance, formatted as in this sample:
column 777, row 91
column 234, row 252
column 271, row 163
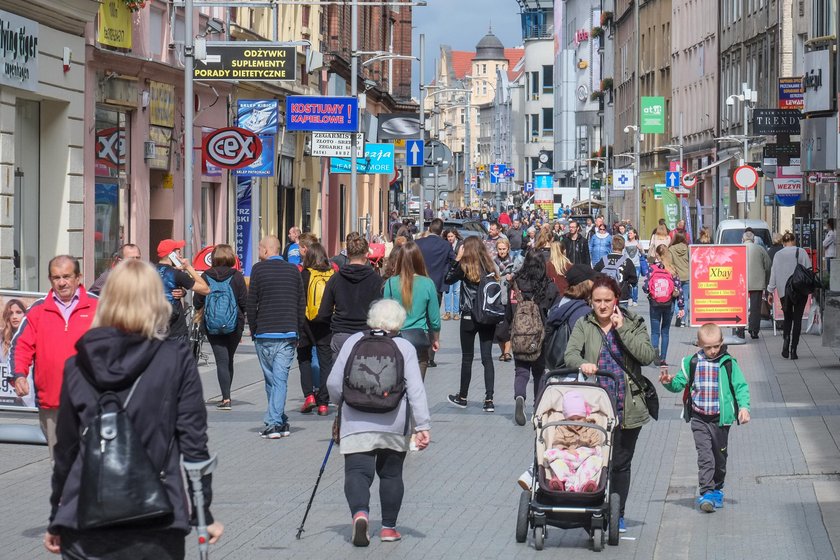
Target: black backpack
column 118, row 485
column 374, row 376
column 688, row 410
column 489, row 306
column 802, row 283
column 554, row 348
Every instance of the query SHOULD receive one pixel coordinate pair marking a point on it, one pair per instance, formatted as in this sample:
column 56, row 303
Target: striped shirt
column 705, row 392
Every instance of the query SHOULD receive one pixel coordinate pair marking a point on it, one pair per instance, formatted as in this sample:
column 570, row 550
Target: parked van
column 731, row 232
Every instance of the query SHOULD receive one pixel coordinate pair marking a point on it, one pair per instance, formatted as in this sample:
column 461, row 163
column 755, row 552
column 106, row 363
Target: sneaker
column 457, row 400
column 360, row 529
column 455, row 317
column 519, row 411
column 488, row 406
column 446, row 316
column 323, row 410
column 526, row 480
column 717, row 498
column 431, row 364
column 706, row 502
column 224, row 405
column 275, row 432
column 622, row 528
column 308, row 404
column 389, row 534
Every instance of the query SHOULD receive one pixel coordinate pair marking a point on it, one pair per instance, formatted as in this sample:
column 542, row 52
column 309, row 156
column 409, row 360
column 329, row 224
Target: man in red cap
column 183, row 276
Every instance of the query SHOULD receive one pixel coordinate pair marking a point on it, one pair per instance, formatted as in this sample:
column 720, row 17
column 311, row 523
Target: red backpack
column 660, row 285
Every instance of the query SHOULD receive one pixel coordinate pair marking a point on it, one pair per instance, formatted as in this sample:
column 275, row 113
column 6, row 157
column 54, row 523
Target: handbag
column 647, row 388
column 118, row 485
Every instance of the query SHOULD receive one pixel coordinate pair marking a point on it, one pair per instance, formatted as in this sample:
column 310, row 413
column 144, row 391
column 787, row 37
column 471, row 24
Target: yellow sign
column 720, row 272
column 114, row 24
column 399, row 143
column 161, row 104
column 168, row 181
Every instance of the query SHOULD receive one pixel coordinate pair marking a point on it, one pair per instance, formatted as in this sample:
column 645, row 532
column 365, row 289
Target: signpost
column 322, row 114
column 672, row 179
column 718, row 285
column 247, row 62
column 745, row 177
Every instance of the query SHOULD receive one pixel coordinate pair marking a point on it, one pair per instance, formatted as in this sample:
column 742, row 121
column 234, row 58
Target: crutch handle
column 197, row 469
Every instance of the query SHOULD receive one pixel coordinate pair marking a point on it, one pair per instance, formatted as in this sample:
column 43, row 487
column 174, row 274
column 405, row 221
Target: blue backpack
column 220, row 310
column 167, row 276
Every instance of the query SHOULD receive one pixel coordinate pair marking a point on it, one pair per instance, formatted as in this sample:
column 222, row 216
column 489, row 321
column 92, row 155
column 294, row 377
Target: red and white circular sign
column 689, row 181
column 745, row 177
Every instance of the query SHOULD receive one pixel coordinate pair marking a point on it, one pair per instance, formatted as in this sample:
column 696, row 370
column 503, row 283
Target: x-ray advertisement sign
column 718, row 278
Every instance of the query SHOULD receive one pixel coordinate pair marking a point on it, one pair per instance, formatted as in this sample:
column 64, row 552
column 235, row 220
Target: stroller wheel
column 539, row 538
column 597, row 539
column 615, row 514
column 522, row 517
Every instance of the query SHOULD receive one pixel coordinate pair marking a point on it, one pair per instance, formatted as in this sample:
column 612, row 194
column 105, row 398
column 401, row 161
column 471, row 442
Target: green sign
column 595, row 185
column 653, row 115
column 657, row 191
column 671, row 207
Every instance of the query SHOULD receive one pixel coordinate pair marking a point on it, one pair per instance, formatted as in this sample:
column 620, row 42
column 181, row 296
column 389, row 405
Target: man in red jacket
column 48, row 336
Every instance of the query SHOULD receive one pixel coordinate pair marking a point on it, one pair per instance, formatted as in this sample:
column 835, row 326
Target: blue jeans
column 660, row 325
column 452, row 298
column 515, row 254
column 634, row 294
column 275, row 357
column 686, row 291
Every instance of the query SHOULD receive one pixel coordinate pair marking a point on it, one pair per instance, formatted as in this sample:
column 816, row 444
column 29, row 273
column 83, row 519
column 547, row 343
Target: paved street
column 783, row 487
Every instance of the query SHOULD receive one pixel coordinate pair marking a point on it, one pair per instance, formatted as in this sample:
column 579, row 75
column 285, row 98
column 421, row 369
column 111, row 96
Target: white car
column 731, row 232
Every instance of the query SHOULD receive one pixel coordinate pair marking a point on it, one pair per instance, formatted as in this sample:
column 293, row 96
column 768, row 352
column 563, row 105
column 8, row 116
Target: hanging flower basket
column 135, row 5
column 597, row 32
column 606, row 84
column 597, row 95
column 606, row 18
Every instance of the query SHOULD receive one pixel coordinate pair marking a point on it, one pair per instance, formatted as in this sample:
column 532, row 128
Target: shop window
column 27, row 195
column 305, row 210
column 111, row 187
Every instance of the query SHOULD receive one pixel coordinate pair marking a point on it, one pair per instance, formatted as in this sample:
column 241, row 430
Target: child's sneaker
column 526, row 481
column 622, row 528
column 361, row 537
column 706, row 503
column 717, row 498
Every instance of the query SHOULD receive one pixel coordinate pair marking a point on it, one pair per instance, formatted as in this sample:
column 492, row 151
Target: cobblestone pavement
column 783, row 486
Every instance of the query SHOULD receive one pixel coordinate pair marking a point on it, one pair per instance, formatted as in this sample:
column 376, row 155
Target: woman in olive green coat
column 617, row 341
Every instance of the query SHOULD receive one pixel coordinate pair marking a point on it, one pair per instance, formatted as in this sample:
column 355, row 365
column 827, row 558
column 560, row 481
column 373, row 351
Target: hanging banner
column 264, row 164
column 671, row 207
column 114, row 27
column 257, row 115
column 14, row 305
column 653, row 115
column 161, row 104
column 718, row 284
column 243, row 223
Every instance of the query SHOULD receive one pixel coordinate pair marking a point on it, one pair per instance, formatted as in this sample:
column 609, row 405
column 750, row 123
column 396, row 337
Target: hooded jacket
column 348, row 296
column 167, row 406
column 679, row 257
column 237, row 284
column 47, row 340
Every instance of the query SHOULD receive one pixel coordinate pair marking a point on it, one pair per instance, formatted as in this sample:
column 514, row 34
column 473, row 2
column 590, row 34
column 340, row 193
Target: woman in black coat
column 127, row 351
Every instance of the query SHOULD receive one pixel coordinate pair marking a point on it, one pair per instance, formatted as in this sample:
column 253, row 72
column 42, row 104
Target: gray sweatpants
column 711, row 442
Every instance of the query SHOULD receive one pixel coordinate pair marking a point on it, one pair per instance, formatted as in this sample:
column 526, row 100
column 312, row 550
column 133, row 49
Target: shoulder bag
column 644, row 384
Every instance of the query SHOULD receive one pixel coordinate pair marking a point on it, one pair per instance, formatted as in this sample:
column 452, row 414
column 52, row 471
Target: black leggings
column 224, row 347
column 122, row 544
column 322, row 336
column 358, row 476
column 485, row 343
column 624, row 446
column 793, row 310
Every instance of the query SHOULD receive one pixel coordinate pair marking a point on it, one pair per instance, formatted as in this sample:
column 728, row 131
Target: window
column 208, row 213
column 483, row 68
column 534, row 79
column 535, row 125
column 548, row 78
column 27, row 139
column 304, row 19
column 548, row 121
column 305, row 210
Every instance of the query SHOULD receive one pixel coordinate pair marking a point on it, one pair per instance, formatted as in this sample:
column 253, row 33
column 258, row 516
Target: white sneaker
column 527, row 479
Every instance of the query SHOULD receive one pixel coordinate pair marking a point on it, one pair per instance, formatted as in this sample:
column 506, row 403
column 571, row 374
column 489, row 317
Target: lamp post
column 748, row 99
column 636, row 171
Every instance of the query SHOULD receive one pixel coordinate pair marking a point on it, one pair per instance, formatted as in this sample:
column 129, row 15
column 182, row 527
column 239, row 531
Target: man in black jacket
column 276, row 311
column 438, row 254
column 618, row 266
column 577, row 248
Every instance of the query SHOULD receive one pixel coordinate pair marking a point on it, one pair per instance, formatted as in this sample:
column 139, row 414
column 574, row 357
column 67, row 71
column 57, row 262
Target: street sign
column 336, row 144
column 622, row 180
column 323, row 114
column 481, row 174
column 529, row 186
column 718, row 274
column 414, row 156
column 689, row 181
column 745, row 177
column 231, row 147
column 657, row 191
column 437, row 154
column 497, row 173
column 672, row 179
column 378, row 159
column 247, row 63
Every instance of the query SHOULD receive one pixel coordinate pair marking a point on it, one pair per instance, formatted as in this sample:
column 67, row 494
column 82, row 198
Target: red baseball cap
column 168, row 245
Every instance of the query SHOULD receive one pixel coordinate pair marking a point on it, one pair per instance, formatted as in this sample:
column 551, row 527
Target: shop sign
column 718, row 285
column 161, row 104
column 653, row 115
column 232, row 147
column 817, row 85
column 247, row 63
column 776, row 121
column 114, row 27
column 378, row 159
column 791, row 94
column 18, row 52
column 110, row 147
column 162, row 137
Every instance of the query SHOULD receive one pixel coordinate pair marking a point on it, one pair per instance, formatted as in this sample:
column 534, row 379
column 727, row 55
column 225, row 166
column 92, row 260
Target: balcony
column 537, row 31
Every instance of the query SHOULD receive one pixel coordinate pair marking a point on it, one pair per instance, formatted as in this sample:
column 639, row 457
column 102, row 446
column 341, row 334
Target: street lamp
column 748, row 99
column 636, row 171
column 467, row 130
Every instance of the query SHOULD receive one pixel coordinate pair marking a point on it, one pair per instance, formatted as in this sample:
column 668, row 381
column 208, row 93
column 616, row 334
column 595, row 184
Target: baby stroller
column 597, row 512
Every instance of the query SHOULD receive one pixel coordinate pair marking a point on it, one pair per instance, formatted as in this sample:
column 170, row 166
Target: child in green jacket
column 715, row 392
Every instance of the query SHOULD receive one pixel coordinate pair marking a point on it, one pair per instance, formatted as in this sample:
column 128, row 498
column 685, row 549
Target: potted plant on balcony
column 606, row 84
column 606, row 19
column 597, row 96
column 135, row 5
column 597, row 31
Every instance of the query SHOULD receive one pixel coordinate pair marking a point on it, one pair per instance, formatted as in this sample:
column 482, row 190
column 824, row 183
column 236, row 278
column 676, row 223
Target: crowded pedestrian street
column 461, row 493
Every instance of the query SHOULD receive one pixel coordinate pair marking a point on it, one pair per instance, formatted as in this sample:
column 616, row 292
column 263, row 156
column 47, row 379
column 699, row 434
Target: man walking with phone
column 177, row 273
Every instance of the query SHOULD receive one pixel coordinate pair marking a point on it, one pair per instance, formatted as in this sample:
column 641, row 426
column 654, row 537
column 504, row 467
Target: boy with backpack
column 620, row 267
column 715, row 394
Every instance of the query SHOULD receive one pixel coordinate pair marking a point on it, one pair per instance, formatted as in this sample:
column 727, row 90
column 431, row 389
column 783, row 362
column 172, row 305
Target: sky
column 461, row 24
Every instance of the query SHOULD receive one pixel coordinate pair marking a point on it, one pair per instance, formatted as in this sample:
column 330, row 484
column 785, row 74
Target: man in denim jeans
column 275, row 310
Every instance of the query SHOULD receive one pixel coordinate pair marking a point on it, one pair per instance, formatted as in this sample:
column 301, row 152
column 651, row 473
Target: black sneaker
column 457, row 400
column 431, row 364
column 519, row 412
column 276, row 432
column 488, row 406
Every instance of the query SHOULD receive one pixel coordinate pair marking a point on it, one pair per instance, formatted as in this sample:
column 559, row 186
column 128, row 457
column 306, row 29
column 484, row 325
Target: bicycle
column 198, row 336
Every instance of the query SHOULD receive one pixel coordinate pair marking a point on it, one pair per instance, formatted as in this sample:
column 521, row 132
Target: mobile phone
column 173, row 258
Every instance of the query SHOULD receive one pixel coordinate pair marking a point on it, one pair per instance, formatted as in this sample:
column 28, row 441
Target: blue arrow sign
column 414, row 153
column 497, row 173
column 672, row 179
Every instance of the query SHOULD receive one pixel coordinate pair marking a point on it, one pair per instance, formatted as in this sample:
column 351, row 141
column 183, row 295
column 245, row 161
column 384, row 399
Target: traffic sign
column 323, row 114
column 246, row 62
column 414, row 153
column 689, row 181
column 529, row 186
column 745, row 177
column 437, row 154
column 672, row 179
column 497, row 173
column 231, row 147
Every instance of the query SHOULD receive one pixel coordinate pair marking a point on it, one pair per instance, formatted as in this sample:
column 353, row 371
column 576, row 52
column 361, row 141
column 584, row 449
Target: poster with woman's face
column 13, row 306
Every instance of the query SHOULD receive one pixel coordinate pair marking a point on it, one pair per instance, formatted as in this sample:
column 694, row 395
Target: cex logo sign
column 232, row 148
column 110, row 146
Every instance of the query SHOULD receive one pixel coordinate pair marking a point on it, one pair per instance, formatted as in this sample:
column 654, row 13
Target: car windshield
column 735, row 236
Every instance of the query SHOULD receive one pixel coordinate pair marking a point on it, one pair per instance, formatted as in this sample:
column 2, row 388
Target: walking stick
column 195, row 471
column 312, row 497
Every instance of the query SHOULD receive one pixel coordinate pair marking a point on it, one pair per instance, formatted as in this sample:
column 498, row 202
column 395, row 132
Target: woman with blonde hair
column 126, row 352
column 659, row 237
column 557, row 265
column 472, row 263
column 662, row 303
